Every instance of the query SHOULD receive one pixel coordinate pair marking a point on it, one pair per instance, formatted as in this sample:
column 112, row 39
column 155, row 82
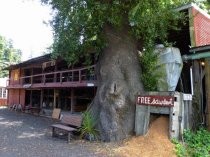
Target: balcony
column 83, row 77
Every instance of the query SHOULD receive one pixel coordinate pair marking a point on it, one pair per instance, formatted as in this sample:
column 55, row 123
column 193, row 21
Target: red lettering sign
column 155, row 100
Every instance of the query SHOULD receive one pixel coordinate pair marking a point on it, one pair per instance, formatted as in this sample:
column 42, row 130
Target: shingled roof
column 36, row 60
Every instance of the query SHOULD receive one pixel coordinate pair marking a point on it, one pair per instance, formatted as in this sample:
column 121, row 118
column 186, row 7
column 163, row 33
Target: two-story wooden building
column 45, row 83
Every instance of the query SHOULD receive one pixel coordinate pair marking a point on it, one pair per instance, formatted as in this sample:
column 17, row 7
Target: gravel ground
column 25, row 135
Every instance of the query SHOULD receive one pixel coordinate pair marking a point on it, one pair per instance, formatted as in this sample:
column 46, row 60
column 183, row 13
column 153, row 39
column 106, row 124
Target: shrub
column 196, row 144
column 88, row 130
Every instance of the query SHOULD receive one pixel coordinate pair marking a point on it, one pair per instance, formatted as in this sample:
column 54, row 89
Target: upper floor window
column 3, row 93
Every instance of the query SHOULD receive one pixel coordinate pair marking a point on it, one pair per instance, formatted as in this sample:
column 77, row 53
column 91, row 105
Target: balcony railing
column 76, row 76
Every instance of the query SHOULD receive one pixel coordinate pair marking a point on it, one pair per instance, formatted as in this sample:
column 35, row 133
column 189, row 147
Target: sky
column 22, row 22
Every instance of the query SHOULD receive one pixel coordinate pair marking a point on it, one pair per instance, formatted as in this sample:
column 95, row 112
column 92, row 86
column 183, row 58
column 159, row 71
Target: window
column 3, row 93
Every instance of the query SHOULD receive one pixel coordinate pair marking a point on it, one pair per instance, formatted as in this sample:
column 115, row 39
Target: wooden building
column 193, row 40
column 200, row 60
column 45, row 84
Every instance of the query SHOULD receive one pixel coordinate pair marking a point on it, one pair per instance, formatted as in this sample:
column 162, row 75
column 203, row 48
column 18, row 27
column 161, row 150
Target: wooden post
column 142, row 119
column 31, row 98
column 191, row 27
column 61, row 77
column 19, row 96
column 55, row 74
column 43, row 76
column 79, row 75
column 32, row 73
column 197, row 99
column 207, row 84
column 54, row 99
column 41, row 98
column 20, row 78
column 72, row 100
column 72, row 76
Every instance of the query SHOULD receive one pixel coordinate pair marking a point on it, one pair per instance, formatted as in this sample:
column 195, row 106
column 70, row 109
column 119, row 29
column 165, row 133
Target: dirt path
column 24, row 135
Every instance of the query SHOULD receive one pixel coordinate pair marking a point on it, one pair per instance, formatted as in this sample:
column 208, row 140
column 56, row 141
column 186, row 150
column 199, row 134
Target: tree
column 115, row 30
column 203, row 4
column 8, row 55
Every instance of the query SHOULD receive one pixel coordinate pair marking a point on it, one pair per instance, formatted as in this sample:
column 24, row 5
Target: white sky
column 22, row 21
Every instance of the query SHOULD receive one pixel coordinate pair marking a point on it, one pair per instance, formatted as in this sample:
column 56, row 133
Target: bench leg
column 69, row 137
column 53, row 132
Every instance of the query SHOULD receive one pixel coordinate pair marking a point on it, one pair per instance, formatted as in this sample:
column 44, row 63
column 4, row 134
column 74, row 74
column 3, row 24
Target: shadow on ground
column 25, row 135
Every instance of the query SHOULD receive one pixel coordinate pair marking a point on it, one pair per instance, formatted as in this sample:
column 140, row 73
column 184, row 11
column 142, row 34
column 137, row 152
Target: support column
column 19, row 96
column 72, row 100
column 197, row 97
column 192, row 29
column 32, row 73
column 54, row 98
column 207, row 84
column 41, row 98
column 31, row 98
column 55, row 74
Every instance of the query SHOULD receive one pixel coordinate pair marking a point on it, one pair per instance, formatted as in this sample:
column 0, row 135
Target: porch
column 81, row 77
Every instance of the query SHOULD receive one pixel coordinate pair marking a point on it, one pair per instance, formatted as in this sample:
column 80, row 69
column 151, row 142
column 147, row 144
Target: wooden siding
column 14, row 96
column 3, row 102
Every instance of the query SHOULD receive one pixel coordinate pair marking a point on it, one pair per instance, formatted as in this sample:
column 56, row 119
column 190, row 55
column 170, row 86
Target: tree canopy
column 118, row 30
column 78, row 24
column 8, row 55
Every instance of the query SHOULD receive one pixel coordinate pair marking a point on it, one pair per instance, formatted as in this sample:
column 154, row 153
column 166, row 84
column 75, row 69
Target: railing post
column 61, row 77
column 54, row 78
column 22, row 81
column 31, row 79
column 44, row 79
column 79, row 75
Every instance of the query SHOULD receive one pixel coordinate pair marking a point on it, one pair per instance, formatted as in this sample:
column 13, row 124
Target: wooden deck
column 82, row 77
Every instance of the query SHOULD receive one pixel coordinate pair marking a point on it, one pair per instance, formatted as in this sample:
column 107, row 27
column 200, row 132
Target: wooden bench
column 69, row 124
column 35, row 110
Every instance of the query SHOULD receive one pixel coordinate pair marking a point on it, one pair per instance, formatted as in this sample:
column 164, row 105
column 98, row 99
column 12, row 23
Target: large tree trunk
column 118, row 83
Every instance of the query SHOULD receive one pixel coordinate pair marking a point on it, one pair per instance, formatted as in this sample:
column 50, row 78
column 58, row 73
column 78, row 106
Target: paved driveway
column 25, row 135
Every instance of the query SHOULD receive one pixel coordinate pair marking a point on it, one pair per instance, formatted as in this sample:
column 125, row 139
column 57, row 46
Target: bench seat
column 69, row 124
column 63, row 127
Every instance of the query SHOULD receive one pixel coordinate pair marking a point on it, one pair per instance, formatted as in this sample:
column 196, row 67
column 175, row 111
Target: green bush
column 179, row 148
column 88, row 130
column 148, row 63
column 196, row 144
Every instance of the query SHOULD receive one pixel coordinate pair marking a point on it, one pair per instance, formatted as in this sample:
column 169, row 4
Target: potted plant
column 88, row 130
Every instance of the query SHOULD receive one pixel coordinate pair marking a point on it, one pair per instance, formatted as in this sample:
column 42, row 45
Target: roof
column 199, row 52
column 36, row 60
column 193, row 5
column 200, row 49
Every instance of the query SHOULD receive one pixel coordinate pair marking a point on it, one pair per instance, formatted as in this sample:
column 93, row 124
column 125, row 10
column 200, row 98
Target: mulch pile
column 155, row 143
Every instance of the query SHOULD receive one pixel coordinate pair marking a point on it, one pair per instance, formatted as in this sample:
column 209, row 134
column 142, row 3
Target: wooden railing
column 75, row 75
